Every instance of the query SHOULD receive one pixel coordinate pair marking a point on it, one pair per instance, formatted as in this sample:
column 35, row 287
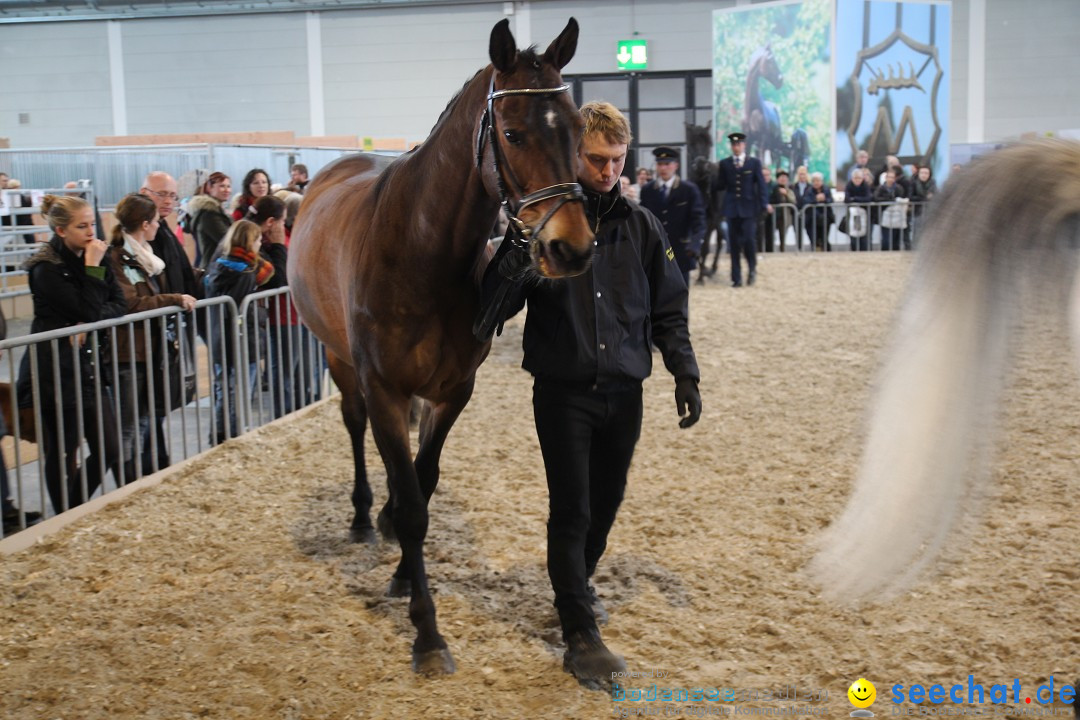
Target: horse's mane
column 528, row 55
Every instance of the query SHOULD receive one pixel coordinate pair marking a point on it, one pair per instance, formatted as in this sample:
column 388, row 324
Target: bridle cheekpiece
column 521, row 232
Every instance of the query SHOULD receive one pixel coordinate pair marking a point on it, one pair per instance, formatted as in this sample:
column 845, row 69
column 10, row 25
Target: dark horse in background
column 699, row 147
column 761, row 118
column 382, row 267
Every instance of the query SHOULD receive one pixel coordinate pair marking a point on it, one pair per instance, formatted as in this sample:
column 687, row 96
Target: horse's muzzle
column 557, row 258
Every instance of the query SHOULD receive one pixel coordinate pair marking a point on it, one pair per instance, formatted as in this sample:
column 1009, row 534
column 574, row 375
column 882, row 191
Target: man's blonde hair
column 605, row 119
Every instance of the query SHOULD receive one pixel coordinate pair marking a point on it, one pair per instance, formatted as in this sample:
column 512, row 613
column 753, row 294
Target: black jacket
column 65, row 294
column 597, row 328
column 207, row 223
column 178, row 276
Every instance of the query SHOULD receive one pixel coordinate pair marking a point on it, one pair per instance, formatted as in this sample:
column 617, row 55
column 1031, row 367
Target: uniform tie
column 663, row 192
column 738, row 162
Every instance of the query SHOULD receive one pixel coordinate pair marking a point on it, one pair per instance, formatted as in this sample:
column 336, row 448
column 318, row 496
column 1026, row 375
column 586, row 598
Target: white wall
column 1032, row 66
column 389, row 72
column 220, row 74
column 59, row 74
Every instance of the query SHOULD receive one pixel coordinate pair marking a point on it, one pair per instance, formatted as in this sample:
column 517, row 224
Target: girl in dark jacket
column 207, row 220
column 237, row 272
column 138, row 272
column 71, row 284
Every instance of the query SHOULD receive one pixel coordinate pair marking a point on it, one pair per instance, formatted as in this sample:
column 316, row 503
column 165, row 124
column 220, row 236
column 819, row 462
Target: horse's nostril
column 560, row 249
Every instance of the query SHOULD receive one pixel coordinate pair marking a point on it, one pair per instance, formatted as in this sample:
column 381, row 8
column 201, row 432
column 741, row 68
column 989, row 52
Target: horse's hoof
column 363, row 536
column 399, row 587
column 386, row 527
column 434, row 663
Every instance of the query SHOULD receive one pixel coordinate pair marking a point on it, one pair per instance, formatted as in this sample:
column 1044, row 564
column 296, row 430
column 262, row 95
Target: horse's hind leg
column 354, row 413
column 389, row 414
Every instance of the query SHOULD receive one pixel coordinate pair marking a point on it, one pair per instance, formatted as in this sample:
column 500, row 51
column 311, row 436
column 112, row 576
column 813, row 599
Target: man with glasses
column 178, row 277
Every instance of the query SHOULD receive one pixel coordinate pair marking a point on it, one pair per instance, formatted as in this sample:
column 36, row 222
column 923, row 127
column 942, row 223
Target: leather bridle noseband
column 521, row 234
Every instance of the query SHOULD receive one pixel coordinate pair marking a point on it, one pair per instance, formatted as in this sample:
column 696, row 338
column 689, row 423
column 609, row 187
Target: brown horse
column 382, row 268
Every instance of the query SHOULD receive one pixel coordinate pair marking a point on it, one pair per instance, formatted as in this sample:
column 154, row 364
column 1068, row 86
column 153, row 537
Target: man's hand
column 693, row 254
column 769, row 208
column 687, row 398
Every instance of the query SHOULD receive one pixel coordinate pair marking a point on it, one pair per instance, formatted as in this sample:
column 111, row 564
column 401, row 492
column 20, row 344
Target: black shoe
column 736, row 283
column 589, row 660
column 751, row 278
column 598, row 609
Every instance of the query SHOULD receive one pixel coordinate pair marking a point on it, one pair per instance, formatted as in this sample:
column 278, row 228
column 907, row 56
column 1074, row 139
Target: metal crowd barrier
column 852, row 226
column 96, row 410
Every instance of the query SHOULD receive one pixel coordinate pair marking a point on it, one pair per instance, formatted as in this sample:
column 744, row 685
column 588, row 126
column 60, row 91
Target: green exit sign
column 632, row 54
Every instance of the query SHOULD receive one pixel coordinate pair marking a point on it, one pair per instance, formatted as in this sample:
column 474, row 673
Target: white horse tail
column 1009, row 217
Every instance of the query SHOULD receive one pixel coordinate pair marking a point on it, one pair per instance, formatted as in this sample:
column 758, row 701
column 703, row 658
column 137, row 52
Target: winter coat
column 66, row 292
column 141, row 292
column 237, row 275
column 207, row 223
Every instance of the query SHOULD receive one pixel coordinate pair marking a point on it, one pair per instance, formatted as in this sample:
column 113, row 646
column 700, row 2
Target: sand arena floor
column 231, row 593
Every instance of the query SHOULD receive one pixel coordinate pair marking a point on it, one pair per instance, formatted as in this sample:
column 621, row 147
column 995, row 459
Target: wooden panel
column 284, row 137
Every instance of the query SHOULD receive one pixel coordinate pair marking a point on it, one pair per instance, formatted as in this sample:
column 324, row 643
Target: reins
column 521, row 233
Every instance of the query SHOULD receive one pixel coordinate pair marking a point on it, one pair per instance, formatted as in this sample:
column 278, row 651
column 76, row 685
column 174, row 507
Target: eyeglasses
column 163, row 195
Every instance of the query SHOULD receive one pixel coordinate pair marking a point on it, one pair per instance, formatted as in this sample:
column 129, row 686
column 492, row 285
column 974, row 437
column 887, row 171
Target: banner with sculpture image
column 892, row 84
column 772, row 81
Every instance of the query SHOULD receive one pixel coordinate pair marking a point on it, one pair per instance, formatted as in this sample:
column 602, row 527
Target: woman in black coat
column 859, row 194
column 71, row 284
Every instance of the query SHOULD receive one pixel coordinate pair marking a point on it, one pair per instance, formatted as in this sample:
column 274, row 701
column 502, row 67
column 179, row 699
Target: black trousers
column 743, row 242
column 587, row 438
column 68, row 456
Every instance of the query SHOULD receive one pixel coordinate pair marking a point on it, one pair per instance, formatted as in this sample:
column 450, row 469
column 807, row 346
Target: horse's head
column 766, row 63
column 699, row 140
column 531, row 156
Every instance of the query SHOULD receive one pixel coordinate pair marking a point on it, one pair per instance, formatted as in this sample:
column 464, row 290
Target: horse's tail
column 1010, row 216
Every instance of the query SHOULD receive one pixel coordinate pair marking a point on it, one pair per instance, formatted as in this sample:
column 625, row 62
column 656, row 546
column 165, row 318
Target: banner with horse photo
column 772, row 81
column 892, row 84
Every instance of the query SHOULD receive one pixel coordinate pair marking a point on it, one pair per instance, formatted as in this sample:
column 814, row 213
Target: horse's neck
column 447, row 172
column 753, row 96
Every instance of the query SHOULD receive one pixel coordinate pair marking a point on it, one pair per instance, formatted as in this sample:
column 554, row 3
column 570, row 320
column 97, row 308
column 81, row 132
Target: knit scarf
column 151, row 263
column 264, row 269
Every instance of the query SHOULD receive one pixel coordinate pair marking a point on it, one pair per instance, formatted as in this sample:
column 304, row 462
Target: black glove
column 507, row 280
column 687, row 398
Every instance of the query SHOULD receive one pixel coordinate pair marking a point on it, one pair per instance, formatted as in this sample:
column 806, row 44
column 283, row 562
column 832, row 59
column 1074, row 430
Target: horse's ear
column 502, row 47
column 561, row 50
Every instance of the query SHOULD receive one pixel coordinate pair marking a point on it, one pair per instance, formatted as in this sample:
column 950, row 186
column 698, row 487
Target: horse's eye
column 513, row 138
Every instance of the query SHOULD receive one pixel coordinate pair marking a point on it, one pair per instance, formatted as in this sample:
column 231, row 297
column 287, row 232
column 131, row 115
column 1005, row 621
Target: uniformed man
column 746, row 196
column 587, row 342
column 678, row 204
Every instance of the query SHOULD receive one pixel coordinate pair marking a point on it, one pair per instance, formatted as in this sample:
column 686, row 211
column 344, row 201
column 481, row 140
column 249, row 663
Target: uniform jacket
column 682, row 216
column 65, row 293
column 745, row 191
column 597, row 328
column 207, row 223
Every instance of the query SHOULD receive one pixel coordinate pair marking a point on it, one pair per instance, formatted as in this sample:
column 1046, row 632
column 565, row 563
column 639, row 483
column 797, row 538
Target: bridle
column 520, row 232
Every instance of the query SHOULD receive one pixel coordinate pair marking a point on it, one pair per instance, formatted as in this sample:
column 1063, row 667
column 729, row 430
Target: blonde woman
column 71, row 284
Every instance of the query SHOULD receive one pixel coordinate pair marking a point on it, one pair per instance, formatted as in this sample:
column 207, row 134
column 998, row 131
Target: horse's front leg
column 434, row 427
column 388, row 412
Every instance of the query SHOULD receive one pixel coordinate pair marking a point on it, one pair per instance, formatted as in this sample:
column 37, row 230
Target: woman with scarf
column 138, row 271
column 71, row 284
column 237, row 272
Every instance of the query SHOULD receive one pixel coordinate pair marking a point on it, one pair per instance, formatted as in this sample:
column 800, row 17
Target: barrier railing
column 854, row 226
column 129, row 396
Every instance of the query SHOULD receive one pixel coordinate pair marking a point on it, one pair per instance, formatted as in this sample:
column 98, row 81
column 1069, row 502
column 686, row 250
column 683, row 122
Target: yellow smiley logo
column 862, row 693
